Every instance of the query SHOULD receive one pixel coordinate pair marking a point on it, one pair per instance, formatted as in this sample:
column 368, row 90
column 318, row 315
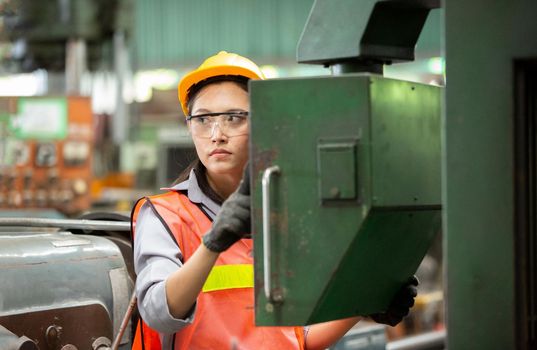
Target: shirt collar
column 195, row 194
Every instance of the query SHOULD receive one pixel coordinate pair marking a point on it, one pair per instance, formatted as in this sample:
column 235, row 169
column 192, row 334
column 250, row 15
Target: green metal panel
column 279, row 113
column 319, row 41
column 482, row 39
column 407, row 143
column 383, row 31
column 331, row 237
column 386, row 251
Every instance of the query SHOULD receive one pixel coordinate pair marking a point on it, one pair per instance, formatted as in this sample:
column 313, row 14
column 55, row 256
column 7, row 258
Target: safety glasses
column 230, row 123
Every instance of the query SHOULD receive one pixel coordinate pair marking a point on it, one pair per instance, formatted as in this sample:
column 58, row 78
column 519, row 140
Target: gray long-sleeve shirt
column 156, row 256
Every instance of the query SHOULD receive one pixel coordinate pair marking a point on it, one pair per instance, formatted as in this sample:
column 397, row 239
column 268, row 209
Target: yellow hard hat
column 223, row 63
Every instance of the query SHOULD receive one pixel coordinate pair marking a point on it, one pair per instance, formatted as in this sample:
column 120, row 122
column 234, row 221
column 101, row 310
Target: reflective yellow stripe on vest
column 229, row 276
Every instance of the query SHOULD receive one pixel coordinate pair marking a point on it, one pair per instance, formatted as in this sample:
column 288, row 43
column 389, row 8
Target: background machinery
column 67, row 284
column 46, row 153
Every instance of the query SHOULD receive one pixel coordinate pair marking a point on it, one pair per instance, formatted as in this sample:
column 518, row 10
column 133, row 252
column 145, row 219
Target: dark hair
column 183, row 175
column 192, row 93
column 196, row 164
column 201, row 175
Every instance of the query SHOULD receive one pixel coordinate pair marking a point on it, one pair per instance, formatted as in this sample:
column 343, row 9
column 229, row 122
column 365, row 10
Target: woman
column 192, row 252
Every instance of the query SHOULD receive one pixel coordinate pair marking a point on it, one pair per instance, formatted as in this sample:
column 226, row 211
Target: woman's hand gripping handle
column 233, row 221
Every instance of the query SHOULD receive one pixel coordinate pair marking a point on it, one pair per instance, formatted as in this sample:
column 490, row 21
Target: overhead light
column 269, row 71
column 436, row 65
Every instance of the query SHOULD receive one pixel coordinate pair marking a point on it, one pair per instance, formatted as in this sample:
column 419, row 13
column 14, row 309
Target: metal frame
column 66, row 224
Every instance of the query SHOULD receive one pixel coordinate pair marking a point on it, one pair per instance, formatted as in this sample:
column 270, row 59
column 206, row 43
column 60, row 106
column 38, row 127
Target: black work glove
column 400, row 304
column 233, row 221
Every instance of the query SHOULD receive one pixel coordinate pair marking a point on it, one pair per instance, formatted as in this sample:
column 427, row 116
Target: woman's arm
column 184, row 285
column 156, row 257
column 323, row 335
column 230, row 225
column 167, row 288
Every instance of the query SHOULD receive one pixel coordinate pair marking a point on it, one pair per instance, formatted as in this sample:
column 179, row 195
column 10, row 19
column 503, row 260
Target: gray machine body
column 60, row 289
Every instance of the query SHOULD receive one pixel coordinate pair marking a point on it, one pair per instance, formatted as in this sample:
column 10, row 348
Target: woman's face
column 220, row 153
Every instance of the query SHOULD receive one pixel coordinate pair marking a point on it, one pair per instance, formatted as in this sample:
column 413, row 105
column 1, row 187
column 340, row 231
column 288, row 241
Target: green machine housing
column 346, row 193
column 345, row 168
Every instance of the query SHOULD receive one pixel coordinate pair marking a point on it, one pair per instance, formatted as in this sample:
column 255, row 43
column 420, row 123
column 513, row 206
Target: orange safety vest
column 225, row 306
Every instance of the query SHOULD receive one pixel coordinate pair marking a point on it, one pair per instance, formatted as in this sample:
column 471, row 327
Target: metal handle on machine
column 267, row 174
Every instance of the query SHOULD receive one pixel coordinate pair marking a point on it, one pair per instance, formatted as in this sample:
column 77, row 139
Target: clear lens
column 229, row 124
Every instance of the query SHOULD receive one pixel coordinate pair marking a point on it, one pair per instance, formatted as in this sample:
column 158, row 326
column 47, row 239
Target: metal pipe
column 10, row 341
column 75, row 65
column 125, row 321
column 67, row 224
column 427, row 341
